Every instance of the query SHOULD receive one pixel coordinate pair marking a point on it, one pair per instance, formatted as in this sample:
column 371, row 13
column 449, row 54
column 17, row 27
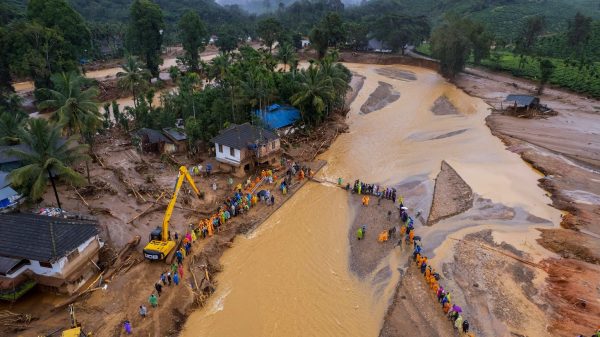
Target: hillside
column 105, row 11
column 504, row 17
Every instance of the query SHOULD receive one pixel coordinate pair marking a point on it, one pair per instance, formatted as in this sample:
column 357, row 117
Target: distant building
column 378, row 46
column 178, row 138
column 277, row 116
column 56, row 253
column 242, row 147
column 304, row 42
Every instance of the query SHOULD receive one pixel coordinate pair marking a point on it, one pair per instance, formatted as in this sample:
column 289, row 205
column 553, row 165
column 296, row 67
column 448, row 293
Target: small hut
column 521, row 104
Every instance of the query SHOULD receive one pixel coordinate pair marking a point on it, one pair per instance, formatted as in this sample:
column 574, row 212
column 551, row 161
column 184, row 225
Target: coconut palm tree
column 49, row 158
column 314, row 94
column 133, row 78
column 10, row 125
column 286, row 55
column 74, row 106
column 219, row 67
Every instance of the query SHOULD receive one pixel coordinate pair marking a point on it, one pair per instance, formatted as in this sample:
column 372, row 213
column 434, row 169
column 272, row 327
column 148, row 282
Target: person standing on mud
column 143, row 311
column 359, row 234
column 176, row 279
column 127, row 326
column 272, row 200
column 153, row 300
column 158, row 288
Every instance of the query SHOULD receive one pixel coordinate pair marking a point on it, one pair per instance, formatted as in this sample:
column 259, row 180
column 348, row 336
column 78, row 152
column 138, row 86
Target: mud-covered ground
column 566, row 149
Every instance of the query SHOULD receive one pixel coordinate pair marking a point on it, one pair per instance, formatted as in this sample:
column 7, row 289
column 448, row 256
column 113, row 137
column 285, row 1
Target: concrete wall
column 226, row 156
column 67, row 276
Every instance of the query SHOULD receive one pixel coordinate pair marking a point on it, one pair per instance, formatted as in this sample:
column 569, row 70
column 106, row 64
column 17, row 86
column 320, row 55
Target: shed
column 276, row 116
column 522, row 101
column 178, row 137
column 8, row 196
column 151, row 140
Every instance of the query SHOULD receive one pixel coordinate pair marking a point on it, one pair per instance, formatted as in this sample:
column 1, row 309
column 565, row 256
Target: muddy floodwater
column 291, row 276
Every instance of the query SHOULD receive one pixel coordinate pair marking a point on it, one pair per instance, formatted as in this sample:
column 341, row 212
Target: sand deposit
column 380, row 98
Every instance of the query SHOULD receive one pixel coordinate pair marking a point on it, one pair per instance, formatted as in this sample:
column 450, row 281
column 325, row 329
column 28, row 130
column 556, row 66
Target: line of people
column 432, row 278
column 408, row 237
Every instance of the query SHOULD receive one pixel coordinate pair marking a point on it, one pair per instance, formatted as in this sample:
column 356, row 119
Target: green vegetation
column 144, row 33
column 193, row 35
column 50, row 159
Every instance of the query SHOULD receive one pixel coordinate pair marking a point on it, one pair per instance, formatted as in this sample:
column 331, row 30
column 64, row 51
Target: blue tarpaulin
column 276, row 116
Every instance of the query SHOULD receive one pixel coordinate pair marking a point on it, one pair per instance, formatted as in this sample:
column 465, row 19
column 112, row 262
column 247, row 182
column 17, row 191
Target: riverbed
column 291, row 276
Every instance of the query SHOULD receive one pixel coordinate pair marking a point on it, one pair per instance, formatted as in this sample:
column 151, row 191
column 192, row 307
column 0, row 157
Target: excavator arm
column 183, row 174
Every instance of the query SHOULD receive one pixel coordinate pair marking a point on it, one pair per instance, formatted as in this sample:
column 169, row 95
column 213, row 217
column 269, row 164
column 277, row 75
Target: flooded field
column 291, row 277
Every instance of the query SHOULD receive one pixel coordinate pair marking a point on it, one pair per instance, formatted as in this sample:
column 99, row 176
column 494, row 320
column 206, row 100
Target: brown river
column 291, row 276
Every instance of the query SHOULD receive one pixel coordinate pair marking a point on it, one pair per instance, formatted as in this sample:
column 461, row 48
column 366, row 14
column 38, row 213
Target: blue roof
column 276, row 116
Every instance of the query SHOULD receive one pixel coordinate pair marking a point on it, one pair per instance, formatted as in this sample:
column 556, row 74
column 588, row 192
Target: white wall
column 226, row 155
column 57, row 266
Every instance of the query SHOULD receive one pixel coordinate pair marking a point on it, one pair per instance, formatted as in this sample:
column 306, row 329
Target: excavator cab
column 156, row 234
column 161, row 244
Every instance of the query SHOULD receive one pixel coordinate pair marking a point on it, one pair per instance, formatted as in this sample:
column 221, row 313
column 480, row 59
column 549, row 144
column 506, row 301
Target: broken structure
column 56, row 253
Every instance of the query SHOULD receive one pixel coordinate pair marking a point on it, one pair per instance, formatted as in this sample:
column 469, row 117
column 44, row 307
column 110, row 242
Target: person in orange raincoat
column 435, row 286
column 301, row 175
column 411, row 236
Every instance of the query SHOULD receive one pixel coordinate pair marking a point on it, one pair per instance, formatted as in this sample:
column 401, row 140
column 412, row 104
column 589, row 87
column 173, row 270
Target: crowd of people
column 242, row 200
column 408, row 238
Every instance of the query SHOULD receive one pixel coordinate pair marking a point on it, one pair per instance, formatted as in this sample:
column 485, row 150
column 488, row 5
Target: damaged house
column 241, row 148
column 58, row 254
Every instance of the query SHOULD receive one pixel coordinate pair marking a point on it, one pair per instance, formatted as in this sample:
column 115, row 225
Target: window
column 221, row 148
column 73, row 255
column 232, row 152
column 45, row 264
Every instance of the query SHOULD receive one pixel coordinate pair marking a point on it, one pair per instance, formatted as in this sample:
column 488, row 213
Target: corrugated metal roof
column 240, row 136
column 42, row 238
column 175, row 134
column 521, row 100
column 7, row 192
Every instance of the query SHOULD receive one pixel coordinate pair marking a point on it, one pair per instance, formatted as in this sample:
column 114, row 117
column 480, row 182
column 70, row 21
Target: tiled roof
column 240, row 136
column 154, row 136
column 40, row 237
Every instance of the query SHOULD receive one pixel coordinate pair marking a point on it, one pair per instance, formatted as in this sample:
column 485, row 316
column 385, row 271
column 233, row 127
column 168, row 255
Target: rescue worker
column 153, row 300
column 127, row 326
column 458, row 323
column 143, row 311
column 359, row 234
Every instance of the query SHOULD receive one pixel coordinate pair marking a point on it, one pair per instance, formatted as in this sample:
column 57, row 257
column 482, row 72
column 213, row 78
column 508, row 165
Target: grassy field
column 585, row 81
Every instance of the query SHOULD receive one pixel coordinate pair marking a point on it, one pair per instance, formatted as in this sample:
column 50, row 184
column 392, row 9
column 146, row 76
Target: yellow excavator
column 161, row 244
column 75, row 330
